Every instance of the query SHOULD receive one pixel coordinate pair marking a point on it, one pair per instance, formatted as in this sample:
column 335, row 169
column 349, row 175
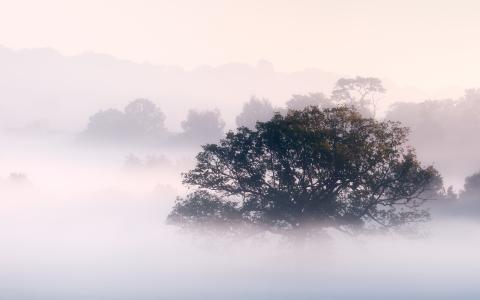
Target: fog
column 43, row 90
column 105, row 105
column 443, row 132
column 83, row 222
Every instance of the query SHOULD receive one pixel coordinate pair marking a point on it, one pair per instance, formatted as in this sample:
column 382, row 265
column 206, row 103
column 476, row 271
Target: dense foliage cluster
column 309, row 168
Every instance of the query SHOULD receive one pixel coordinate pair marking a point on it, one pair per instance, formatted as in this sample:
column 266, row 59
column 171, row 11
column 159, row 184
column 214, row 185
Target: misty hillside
column 40, row 89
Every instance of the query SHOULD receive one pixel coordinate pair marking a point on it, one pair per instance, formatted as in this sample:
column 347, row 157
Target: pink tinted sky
column 429, row 44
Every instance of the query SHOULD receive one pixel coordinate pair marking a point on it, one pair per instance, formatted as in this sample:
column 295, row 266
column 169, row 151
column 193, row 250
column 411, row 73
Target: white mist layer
column 86, row 227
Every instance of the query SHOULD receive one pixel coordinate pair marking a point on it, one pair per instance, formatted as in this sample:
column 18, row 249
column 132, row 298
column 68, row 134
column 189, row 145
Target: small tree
column 109, row 123
column 145, row 118
column 203, row 126
column 255, row 110
column 471, row 188
column 142, row 120
column 311, row 168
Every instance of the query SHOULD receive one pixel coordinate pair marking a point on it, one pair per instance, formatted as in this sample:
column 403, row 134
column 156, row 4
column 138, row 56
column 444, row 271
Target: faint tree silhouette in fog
column 359, row 92
column 141, row 120
column 255, row 110
column 108, row 123
column 471, row 189
column 429, row 120
column 465, row 204
column 133, row 162
column 310, row 169
column 443, row 130
column 203, row 126
column 150, row 162
column 299, row 102
column 469, row 108
column 18, row 178
column 145, row 118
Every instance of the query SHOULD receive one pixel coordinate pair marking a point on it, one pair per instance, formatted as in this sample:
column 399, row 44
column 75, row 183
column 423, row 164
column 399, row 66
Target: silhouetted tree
column 317, row 167
column 141, row 120
column 360, row 92
column 471, row 188
column 203, row 126
column 145, row 118
column 253, row 111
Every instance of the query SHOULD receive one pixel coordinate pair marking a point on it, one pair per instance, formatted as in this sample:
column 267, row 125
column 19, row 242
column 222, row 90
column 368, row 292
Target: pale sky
column 430, row 44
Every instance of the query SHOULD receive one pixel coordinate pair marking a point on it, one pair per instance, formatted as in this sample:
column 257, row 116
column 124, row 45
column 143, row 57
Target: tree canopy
column 310, row 168
column 254, row 111
column 359, row 92
column 471, row 188
column 141, row 120
column 444, row 131
column 203, row 126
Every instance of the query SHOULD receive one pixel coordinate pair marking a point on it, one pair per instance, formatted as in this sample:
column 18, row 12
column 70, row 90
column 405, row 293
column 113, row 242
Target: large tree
column 309, row 169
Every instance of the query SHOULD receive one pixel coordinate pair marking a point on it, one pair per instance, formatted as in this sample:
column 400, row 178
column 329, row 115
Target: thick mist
column 91, row 157
column 87, row 221
column 255, row 149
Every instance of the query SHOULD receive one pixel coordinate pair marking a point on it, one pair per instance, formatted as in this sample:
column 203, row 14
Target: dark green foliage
column 313, row 167
column 203, row 208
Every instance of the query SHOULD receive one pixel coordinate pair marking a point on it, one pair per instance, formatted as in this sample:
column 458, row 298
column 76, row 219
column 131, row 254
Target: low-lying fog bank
column 86, row 223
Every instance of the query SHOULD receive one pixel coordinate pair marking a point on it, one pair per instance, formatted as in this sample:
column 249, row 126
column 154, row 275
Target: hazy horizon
column 422, row 43
column 79, row 85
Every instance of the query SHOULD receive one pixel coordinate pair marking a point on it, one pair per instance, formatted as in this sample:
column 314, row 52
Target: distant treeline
column 443, row 132
column 142, row 121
